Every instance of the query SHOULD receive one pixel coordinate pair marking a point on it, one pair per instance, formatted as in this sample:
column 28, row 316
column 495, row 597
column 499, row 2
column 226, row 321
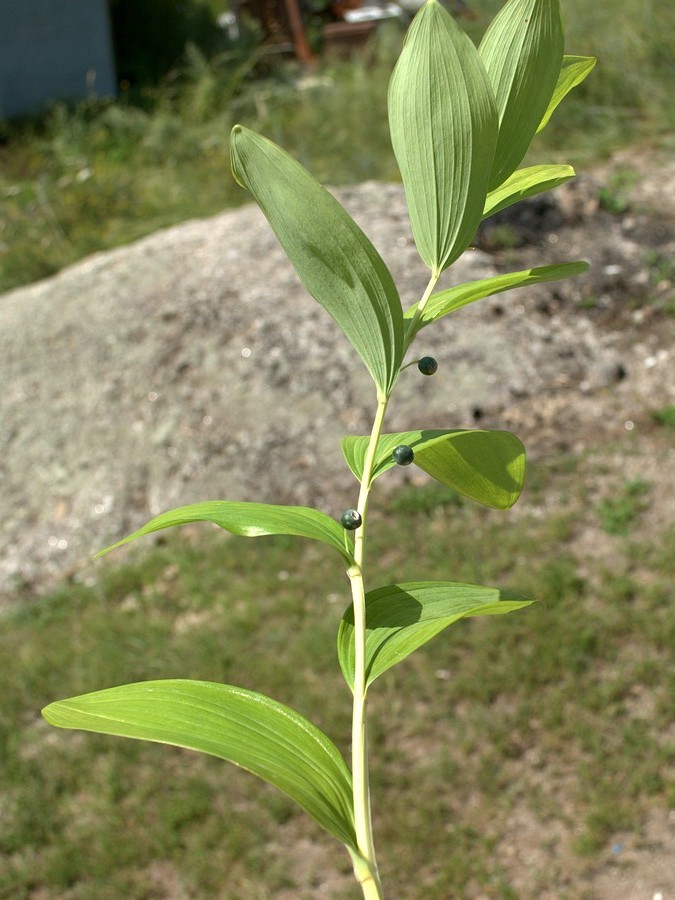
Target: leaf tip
column 235, row 157
column 50, row 713
column 106, row 550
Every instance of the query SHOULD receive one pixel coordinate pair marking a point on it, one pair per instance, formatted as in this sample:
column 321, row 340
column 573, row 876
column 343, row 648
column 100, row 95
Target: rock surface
column 191, row 365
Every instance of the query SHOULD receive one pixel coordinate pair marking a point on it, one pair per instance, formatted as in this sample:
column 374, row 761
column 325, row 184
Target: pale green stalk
column 412, row 328
column 369, row 879
column 368, row 876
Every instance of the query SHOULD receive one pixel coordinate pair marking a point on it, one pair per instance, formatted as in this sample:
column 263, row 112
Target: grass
column 104, row 174
column 664, row 416
column 78, row 180
column 620, row 513
column 554, row 716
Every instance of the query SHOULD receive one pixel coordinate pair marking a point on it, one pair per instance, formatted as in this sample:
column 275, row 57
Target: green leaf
column 574, row 70
column 332, row 256
column 522, row 51
column 402, row 617
column 486, row 466
column 354, row 448
column 443, row 125
column 250, row 730
column 249, row 520
column 462, row 294
column 526, row 183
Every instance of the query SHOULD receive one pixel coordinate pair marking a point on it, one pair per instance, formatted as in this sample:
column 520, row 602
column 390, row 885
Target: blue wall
column 52, row 50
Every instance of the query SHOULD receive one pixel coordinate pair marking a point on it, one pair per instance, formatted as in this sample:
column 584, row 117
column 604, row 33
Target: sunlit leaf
column 249, row 520
column 354, row 448
column 522, row 51
column 574, row 70
column 334, row 259
column 486, row 466
column 248, row 729
column 462, row 294
column 402, row 617
column 443, row 125
column 526, row 183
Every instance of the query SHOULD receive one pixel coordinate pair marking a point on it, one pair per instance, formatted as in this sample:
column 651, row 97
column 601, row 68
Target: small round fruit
column 403, row 455
column 427, row 365
column 351, row 519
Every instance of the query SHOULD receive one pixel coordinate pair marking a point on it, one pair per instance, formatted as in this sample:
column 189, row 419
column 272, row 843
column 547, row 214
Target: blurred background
column 528, row 756
column 81, row 176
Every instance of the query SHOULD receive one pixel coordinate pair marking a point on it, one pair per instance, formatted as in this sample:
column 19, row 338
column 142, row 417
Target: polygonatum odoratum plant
column 461, row 120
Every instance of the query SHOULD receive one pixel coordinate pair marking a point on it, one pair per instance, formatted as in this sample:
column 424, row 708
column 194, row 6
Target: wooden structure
column 284, row 23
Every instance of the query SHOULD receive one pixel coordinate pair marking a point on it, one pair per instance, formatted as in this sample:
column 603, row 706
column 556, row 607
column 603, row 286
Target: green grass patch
column 556, row 713
column 664, row 416
column 621, row 512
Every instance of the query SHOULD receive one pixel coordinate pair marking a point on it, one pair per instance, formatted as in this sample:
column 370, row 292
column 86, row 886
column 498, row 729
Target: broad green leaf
column 402, row 617
column 249, row 520
column 574, row 70
column 443, row 125
column 332, row 256
column 522, row 51
column 462, row 294
column 526, row 183
column 486, row 466
column 250, row 730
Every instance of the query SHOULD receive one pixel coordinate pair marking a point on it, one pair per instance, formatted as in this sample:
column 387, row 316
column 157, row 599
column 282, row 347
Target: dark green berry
column 403, row 455
column 351, row 519
column 427, row 365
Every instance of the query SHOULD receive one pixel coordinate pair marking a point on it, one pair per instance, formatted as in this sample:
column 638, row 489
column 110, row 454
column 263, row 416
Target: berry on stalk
column 427, row 365
column 351, row 519
column 403, row 455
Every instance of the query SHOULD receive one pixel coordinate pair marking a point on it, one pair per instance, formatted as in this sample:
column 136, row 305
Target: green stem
column 369, row 881
column 368, row 877
column 413, row 328
column 365, row 864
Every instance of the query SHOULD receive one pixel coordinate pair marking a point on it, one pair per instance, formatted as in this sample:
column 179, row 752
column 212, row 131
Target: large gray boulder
column 192, row 365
